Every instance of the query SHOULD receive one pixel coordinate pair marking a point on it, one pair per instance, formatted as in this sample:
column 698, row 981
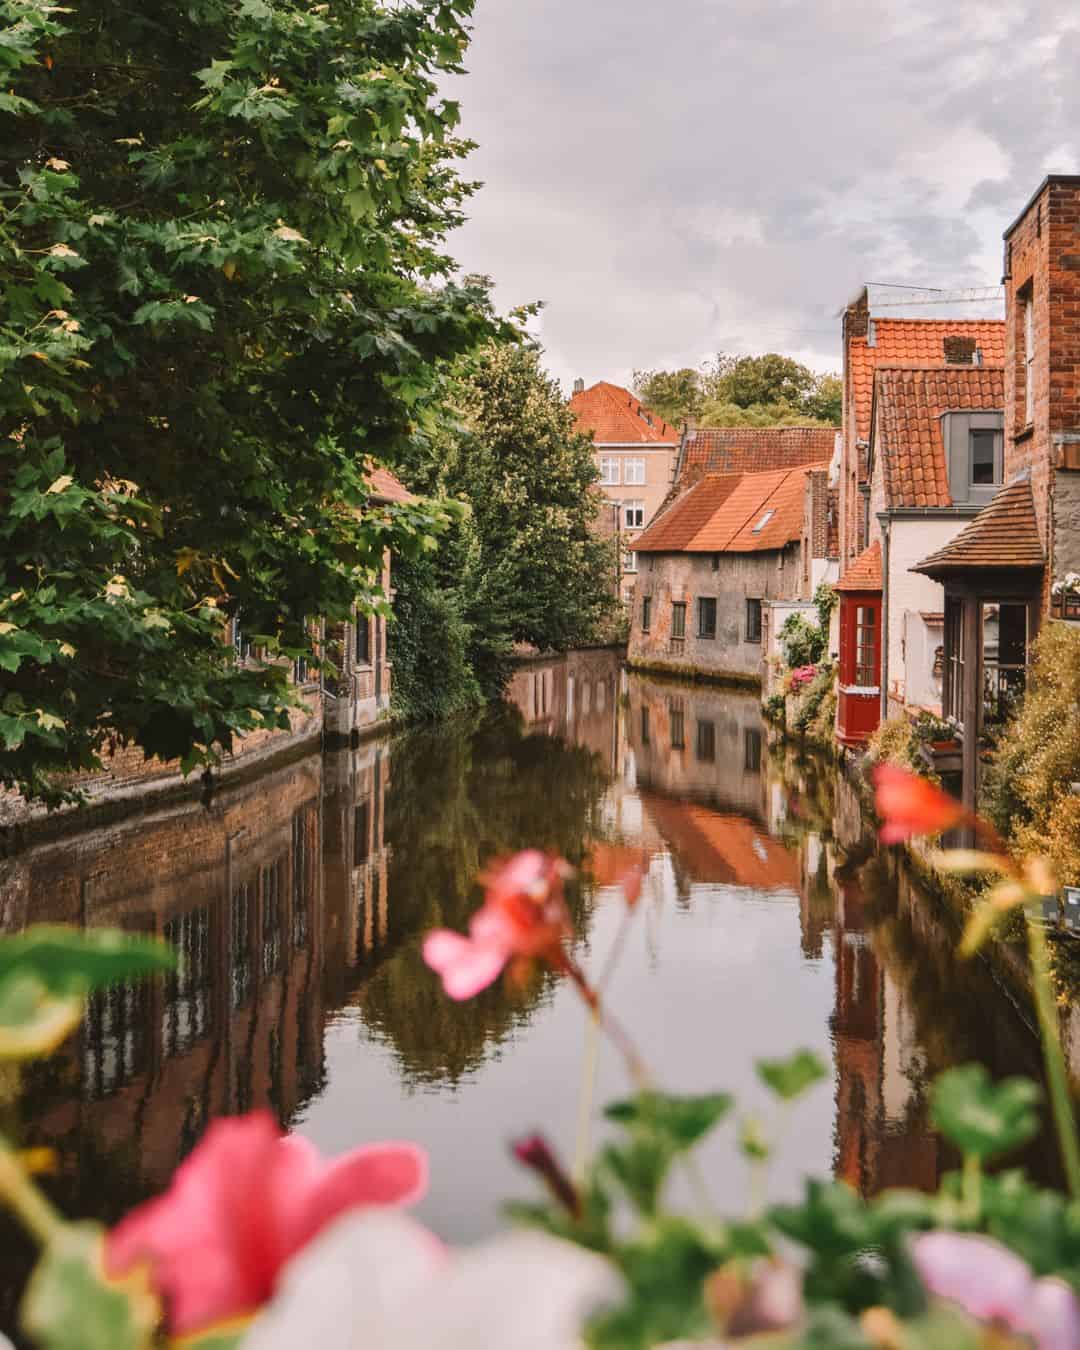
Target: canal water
column 298, row 902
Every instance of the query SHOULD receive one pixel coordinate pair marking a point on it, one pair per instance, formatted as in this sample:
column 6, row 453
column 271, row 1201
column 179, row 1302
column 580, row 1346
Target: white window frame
column 630, row 561
column 609, row 470
column 1029, row 360
column 633, row 515
column 634, row 472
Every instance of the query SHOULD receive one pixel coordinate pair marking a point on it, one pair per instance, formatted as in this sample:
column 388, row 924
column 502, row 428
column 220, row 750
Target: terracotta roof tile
column 722, row 849
column 907, row 436
column 1003, row 534
column 612, row 415
column 732, row 513
column 864, row 574
column 918, row 341
column 386, row 488
column 752, row 450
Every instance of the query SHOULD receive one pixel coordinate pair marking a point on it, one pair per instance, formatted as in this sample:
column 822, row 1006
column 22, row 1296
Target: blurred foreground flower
column 246, row 1201
column 908, row 805
column 523, row 917
column 382, row 1282
column 994, row 1285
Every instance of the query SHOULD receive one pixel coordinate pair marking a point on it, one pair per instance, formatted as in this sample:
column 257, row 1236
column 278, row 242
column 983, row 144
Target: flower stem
column 1056, row 1075
column 25, row 1200
column 971, row 1187
column 585, row 1103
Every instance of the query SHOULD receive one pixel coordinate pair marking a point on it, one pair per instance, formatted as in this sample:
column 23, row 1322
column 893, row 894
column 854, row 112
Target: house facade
column 1000, row 573
column 889, row 326
column 711, row 565
column 635, row 453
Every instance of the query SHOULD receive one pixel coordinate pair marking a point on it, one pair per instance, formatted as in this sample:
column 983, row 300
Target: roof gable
column 384, row 487
column 1004, row 534
column 907, row 439
column 612, row 415
column 864, row 574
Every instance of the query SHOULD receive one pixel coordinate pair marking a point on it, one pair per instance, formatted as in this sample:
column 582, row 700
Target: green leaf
column 69, row 1301
column 681, row 1121
column 74, row 961
column 640, row 1167
column 33, row 1021
column 982, row 1118
column 790, row 1078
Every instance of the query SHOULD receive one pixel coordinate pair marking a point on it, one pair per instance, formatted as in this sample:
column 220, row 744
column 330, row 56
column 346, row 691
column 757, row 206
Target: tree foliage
column 223, row 288
column 526, row 564
column 755, row 391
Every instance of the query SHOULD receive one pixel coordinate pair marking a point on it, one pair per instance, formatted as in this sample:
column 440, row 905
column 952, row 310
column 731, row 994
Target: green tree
column 750, row 381
column 223, row 288
column 674, row 394
column 757, row 415
column 826, row 399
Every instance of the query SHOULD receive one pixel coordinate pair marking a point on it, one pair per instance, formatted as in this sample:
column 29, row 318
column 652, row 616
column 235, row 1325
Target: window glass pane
column 706, row 742
column 644, row 726
column 707, row 618
column 678, row 620
column 1004, row 663
column 752, row 750
column 982, row 456
column 646, row 614
column 363, row 641
column 753, row 620
column 866, row 646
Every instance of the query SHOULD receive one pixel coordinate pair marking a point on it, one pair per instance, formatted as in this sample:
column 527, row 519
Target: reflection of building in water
column 236, row 889
column 575, row 697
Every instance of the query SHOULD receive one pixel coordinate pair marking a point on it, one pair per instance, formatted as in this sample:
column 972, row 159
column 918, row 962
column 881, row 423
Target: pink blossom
column 523, row 917
column 908, row 805
column 241, row 1206
column 803, row 675
column 993, row 1284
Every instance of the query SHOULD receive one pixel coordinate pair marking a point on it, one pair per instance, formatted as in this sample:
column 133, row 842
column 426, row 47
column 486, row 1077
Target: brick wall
column 669, row 578
column 1042, row 264
column 855, row 327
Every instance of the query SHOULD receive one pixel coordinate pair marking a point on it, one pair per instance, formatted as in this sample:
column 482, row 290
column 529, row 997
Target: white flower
column 380, row 1281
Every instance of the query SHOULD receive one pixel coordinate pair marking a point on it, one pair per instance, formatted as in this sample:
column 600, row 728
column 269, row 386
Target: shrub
column 803, row 642
column 895, row 742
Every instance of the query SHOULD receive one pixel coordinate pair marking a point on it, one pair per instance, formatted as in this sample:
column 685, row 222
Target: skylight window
column 763, row 521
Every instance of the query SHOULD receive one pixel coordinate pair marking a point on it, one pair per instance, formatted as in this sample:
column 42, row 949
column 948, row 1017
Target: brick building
column 894, row 326
column 712, row 563
column 635, row 451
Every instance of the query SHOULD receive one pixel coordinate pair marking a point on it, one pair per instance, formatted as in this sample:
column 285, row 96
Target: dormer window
column 974, row 453
column 763, row 521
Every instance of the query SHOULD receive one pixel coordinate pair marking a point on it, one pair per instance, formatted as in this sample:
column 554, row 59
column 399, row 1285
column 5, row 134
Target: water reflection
column 297, row 902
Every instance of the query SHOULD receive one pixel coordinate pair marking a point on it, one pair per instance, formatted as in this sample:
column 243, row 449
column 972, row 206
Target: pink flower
column 993, row 1284
column 523, row 917
column 241, row 1206
column 908, row 805
column 803, row 675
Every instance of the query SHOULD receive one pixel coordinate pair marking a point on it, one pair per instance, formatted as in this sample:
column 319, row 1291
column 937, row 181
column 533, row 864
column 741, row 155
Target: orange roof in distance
column 386, row 488
column 907, row 436
column 732, row 513
column 864, row 574
column 1004, row 534
column 752, row 450
column 612, row 415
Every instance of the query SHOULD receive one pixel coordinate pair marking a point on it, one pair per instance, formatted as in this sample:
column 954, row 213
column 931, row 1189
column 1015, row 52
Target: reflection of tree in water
column 460, row 796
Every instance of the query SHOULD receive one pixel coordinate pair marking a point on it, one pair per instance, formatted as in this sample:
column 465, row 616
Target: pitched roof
column 386, row 488
column 612, row 415
column 732, row 513
column 915, row 341
column 907, row 435
column 1003, row 534
column 752, row 450
column 722, row 849
column 864, row 574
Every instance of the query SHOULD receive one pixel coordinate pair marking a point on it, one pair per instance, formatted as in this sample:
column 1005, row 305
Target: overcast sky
column 680, row 177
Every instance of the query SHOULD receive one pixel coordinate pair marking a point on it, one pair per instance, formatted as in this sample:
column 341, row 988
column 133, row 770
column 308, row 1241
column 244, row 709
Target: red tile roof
column 864, row 574
column 752, row 450
column 907, row 438
column 612, row 415
column 386, row 488
column 1004, row 534
column 917, row 341
column 732, row 513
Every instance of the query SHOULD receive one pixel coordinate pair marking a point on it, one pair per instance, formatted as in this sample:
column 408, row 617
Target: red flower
column 908, row 805
column 246, row 1201
column 523, row 917
column 537, row 1154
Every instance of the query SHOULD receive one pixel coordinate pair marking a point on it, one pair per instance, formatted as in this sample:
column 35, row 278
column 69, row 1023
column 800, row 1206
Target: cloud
column 672, row 180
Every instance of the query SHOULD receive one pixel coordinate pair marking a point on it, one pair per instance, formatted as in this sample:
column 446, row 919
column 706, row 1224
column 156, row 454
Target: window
column 866, row 647
column 633, row 515
column 629, row 561
column 706, row 618
column 752, row 750
column 953, row 682
column 716, row 562
column 677, row 718
column 609, row 472
column 763, row 521
column 678, row 620
column 240, row 642
column 301, row 671
column 634, row 471
column 1004, row 663
column 706, row 742
column 644, row 726
column 753, row 620
column 974, row 448
column 646, row 613
column 1029, row 360
column 363, row 641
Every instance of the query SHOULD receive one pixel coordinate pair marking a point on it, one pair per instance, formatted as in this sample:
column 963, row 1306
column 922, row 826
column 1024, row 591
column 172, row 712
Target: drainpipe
column 883, row 520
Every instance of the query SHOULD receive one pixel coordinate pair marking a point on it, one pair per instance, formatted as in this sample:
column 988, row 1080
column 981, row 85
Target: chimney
column 959, row 351
column 579, row 386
